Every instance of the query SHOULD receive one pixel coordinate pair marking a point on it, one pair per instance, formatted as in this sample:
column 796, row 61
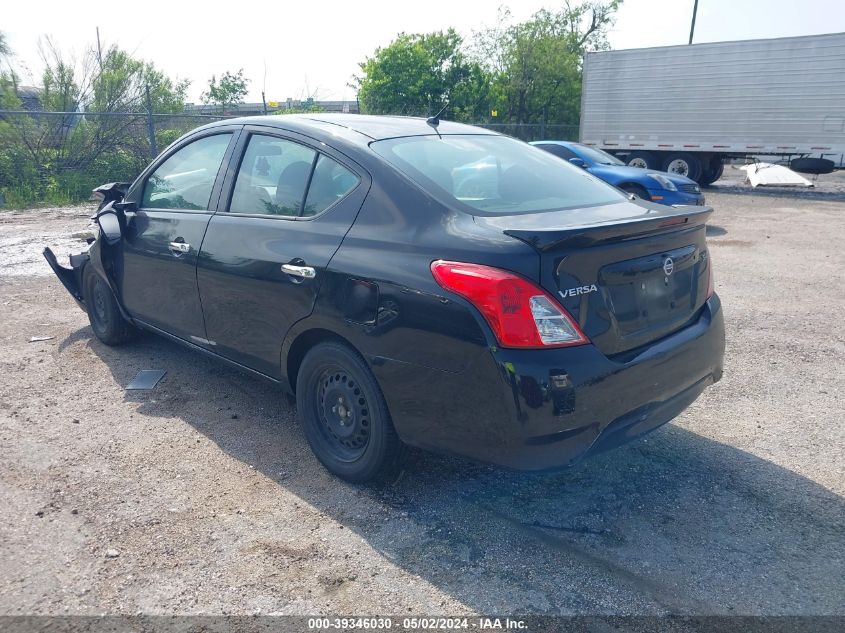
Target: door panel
column 159, row 284
column 163, row 237
column 248, row 300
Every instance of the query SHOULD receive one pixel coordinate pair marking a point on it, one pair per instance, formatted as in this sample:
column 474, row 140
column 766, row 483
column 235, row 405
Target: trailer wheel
column 683, row 164
column 712, row 171
column 643, row 160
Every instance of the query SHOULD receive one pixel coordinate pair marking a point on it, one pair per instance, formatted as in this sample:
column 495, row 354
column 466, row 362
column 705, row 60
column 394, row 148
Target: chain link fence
column 57, row 158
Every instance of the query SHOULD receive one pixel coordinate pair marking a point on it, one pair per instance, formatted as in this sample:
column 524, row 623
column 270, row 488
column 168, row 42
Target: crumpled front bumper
column 71, row 278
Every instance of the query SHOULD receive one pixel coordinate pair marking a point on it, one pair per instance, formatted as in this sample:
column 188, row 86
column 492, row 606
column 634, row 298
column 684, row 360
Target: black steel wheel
column 103, row 312
column 344, row 414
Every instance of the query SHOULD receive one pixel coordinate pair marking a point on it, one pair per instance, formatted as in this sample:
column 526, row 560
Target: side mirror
column 578, row 162
column 109, row 224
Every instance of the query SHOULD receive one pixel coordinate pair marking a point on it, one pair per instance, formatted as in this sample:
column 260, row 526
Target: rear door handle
column 303, row 272
column 180, row 248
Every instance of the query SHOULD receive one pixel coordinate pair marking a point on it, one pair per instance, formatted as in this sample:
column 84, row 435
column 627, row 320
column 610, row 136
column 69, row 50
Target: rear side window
column 275, row 174
column 272, row 177
column 184, row 181
column 494, row 175
column 331, row 182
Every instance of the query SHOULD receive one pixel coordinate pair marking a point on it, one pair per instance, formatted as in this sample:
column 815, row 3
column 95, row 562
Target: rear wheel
column 103, row 312
column 683, row 164
column 344, row 414
column 643, row 160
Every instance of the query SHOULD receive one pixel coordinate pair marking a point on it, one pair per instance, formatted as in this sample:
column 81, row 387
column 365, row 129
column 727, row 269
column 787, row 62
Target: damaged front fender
column 100, row 256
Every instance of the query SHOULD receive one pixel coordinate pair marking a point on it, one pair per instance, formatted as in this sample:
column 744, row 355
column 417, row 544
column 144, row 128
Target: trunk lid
column 628, row 273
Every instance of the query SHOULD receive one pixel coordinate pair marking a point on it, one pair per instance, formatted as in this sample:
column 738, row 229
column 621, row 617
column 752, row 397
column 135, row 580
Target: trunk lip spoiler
column 612, row 231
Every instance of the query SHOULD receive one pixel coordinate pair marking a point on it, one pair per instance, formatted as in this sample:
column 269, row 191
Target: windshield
column 594, row 155
column 494, row 174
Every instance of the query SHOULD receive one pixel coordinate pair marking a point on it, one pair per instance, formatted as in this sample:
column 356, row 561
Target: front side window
column 272, row 177
column 184, row 181
column 491, row 174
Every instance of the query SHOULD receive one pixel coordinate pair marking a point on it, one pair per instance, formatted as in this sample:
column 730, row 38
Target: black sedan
column 412, row 282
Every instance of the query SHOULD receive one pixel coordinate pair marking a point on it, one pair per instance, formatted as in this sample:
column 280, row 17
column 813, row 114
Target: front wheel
column 636, row 190
column 103, row 312
column 344, row 414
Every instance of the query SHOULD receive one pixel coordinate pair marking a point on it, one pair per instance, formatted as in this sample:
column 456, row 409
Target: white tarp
column 768, row 174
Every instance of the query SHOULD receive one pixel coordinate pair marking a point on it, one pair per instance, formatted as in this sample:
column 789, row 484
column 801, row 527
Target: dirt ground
column 201, row 496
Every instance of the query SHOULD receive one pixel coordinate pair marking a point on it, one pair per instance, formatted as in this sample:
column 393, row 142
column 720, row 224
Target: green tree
column 5, row 49
column 8, row 78
column 536, row 65
column 62, row 156
column 226, row 91
column 121, row 81
column 419, row 74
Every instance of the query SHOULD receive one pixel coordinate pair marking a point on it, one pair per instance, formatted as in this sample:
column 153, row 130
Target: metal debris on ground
column 38, row 339
column 146, row 379
column 770, row 174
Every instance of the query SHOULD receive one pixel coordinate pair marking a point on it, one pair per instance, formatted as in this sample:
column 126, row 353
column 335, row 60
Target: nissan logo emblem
column 668, row 266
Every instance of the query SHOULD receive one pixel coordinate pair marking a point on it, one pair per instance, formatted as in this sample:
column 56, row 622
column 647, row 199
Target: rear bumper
column 542, row 409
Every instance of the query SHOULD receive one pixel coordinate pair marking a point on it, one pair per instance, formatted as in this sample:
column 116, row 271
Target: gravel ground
column 201, row 496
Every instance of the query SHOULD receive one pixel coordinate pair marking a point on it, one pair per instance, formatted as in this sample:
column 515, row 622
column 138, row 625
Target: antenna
column 434, row 121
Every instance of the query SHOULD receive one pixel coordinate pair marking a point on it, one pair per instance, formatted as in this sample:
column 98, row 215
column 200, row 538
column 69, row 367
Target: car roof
column 362, row 128
column 569, row 144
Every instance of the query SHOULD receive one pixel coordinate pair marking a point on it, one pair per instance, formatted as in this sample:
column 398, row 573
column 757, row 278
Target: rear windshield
column 494, row 174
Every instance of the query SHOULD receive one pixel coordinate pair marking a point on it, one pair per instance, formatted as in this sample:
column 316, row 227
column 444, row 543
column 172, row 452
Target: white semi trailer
column 688, row 108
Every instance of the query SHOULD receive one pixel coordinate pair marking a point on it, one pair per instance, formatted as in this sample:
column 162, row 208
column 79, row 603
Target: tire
column 683, row 164
column 815, row 166
column 103, row 313
column 713, row 171
column 344, row 415
column 637, row 190
column 643, row 160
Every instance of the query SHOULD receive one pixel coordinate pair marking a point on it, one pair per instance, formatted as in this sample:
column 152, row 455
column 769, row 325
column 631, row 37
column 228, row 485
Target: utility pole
column 99, row 49
column 263, row 102
column 692, row 26
column 151, row 130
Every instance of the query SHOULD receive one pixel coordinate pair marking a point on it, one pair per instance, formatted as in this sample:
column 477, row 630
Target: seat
column 291, row 187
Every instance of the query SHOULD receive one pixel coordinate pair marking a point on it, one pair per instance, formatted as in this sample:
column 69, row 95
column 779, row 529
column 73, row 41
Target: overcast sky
column 317, row 44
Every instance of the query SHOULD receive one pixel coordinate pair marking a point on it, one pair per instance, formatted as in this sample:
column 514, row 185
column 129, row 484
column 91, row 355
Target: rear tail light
column 520, row 313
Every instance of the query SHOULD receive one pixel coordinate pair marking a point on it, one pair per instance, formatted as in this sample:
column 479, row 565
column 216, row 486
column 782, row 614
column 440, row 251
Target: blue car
column 648, row 184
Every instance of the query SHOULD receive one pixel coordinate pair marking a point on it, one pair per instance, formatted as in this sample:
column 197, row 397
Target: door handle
column 180, row 248
column 303, row 272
